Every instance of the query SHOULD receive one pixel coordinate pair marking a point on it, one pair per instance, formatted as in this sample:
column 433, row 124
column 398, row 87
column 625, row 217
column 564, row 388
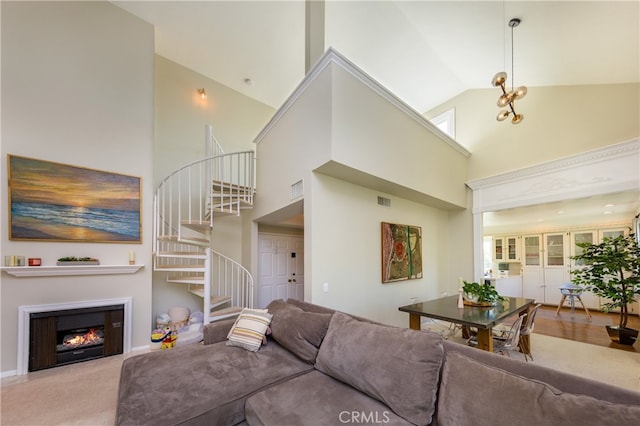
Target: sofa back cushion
column 397, row 366
column 475, row 393
column 298, row 331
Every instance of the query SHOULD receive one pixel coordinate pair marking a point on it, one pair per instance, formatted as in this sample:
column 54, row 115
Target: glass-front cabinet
column 532, row 250
column 554, row 254
column 613, row 233
column 498, row 248
column 579, row 237
column 506, row 249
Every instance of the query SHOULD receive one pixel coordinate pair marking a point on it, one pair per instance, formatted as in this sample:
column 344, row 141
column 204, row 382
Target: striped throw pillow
column 249, row 329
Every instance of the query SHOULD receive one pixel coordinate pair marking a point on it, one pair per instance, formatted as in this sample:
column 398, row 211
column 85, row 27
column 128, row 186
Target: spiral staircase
column 186, row 205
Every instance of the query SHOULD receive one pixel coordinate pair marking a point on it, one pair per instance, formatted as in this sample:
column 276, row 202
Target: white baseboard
column 9, row 373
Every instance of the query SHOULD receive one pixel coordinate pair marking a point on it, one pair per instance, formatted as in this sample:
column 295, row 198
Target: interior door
column 280, row 268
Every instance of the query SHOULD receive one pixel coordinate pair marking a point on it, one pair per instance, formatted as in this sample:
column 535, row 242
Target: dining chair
column 443, row 328
column 508, row 341
column 524, row 342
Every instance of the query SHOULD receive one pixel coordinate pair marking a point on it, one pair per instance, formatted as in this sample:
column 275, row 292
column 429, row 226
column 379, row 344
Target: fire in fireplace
column 81, row 338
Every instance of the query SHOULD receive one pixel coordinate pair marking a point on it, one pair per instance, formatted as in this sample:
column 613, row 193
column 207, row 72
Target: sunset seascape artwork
column 58, row 202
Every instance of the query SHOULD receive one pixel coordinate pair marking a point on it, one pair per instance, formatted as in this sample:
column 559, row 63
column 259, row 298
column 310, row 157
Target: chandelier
column 507, row 99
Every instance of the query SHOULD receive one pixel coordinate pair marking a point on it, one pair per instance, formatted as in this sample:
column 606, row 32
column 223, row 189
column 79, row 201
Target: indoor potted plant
column 480, row 294
column 612, row 271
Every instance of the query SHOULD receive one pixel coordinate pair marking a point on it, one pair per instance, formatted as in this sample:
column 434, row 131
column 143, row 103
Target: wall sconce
column 202, row 93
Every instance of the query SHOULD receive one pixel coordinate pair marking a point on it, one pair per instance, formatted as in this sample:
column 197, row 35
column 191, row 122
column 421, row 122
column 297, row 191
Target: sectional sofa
column 322, row 367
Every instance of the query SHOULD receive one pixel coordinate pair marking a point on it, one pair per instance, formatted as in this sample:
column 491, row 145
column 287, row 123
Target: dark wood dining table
column 480, row 317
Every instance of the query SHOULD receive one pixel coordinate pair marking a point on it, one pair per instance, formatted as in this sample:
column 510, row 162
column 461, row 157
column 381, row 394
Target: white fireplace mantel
column 52, row 271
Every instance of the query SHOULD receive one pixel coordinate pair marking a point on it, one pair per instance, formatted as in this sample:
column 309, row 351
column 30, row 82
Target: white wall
column 77, row 88
column 345, row 239
column 337, row 123
column 559, row 122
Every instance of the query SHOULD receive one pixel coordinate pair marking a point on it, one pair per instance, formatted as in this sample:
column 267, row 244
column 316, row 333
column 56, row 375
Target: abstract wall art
column 401, row 252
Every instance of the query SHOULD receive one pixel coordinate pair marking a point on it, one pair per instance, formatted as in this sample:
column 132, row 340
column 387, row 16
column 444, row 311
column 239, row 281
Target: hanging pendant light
column 507, row 99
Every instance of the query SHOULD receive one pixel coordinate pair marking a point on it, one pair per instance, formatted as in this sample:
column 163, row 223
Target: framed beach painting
column 401, row 252
column 59, row 202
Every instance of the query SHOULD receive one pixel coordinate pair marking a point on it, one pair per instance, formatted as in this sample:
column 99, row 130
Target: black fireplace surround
column 68, row 336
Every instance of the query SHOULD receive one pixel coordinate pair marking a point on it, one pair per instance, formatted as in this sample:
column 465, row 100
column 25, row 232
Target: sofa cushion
column 299, row 331
column 249, row 329
column 517, row 400
column 310, row 307
column 198, row 384
column 397, row 366
column 316, row 399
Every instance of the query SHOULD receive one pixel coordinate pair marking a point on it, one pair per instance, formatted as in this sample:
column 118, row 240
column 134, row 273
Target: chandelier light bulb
column 517, row 118
column 503, row 101
column 502, row 115
column 499, row 79
column 520, row 92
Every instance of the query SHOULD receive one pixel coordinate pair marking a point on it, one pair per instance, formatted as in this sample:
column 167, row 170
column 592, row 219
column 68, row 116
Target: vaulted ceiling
column 426, row 52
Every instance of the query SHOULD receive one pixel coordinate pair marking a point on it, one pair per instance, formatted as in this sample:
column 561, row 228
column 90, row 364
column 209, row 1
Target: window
column 446, row 122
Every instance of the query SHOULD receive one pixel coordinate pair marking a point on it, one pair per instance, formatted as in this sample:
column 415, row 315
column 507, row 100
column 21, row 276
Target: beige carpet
column 85, row 393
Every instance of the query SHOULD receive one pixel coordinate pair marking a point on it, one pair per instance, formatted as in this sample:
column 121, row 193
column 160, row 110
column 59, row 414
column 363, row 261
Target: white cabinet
column 533, row 283
column 532, row 271
column 556, row 267
column 616, row 232
column 509, row 286
column 547, row 264
column 555, row 250
column 590, row 300
column 532, row 248
column 506, row 249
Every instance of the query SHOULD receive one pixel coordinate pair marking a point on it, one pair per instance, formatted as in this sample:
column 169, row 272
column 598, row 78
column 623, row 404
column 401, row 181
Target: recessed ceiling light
column 609, row 205
column 560, row 212
column 540, row 220
column 608, row 212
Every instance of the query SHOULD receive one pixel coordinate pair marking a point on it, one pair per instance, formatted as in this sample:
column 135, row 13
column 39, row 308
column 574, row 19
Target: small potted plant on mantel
column 476, row 294
column 612, row 271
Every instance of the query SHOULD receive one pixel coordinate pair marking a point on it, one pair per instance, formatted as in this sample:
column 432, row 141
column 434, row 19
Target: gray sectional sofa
column 321, row 367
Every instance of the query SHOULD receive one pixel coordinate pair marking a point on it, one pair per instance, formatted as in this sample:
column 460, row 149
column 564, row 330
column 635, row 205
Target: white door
column 280, row 268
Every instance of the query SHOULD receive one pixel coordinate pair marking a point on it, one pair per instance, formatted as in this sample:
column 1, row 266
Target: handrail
column 187, row 195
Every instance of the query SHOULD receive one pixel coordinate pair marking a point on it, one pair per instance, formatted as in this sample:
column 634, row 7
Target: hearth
column 73, row 335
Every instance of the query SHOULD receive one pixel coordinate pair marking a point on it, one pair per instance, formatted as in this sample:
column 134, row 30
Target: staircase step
column 203, row 242
column 182, row 254
column 195, row 279
column 234, row 188
column 179, row 268
column 197, row 225
column 225, row 313
column 215, row 300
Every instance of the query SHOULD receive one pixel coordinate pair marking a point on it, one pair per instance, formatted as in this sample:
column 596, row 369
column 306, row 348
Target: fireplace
column 73, row 335
column 115, row 325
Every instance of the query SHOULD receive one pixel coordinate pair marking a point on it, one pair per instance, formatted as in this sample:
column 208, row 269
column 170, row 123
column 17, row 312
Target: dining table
column 483, row 318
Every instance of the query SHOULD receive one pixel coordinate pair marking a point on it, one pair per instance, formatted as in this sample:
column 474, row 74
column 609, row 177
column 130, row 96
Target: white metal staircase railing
column 185, row 205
